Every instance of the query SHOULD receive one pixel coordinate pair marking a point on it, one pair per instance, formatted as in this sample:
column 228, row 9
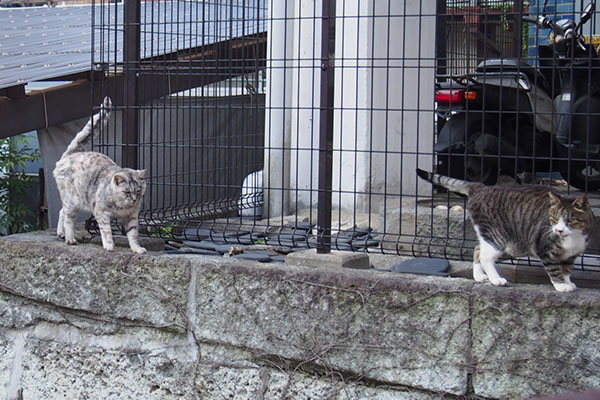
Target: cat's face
column 568, row 216
column 129, row 187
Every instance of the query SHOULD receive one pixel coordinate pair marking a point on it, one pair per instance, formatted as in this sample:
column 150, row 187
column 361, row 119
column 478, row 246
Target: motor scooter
column 509, row 117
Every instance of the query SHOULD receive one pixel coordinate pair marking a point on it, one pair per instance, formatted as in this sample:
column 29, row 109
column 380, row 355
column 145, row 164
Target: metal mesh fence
column 300, row 124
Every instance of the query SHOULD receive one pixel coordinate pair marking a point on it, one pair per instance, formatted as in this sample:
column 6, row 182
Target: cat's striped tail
column 80, row 141
column 452, row 184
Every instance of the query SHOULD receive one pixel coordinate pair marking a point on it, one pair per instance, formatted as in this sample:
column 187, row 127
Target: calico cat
column 523, row 220
column 90, row 181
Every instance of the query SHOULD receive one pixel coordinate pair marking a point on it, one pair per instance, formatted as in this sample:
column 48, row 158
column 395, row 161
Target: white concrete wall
column 383, row 101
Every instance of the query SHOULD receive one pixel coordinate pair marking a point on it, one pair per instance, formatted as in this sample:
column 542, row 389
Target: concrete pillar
column 278, row 107
column 384, row 100
column 306, row 83
column 385, row 54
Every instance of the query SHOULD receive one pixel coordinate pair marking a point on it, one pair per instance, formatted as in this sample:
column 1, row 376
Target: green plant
column 15, row 152
column 165, row 232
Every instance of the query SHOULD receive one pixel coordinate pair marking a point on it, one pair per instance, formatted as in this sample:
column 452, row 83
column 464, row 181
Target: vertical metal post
column 441, row 37
column 326, row 126
column 131, row 63
column 517, row 29
column 441, row 47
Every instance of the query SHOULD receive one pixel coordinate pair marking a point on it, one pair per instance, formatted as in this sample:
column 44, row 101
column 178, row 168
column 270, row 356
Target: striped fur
column 523, row 220
column 90, row 181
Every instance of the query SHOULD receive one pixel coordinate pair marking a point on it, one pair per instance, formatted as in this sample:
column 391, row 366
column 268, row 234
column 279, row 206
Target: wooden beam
column 13, row 92
column 206, row 65
column 40, row 109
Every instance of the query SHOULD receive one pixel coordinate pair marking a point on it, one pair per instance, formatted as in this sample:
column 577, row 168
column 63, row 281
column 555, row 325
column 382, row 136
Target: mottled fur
column 90, row 181
column 523, row 220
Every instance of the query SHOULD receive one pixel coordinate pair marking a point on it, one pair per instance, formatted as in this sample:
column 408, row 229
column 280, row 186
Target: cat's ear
column 118, row 179
column 554, row 199
column 581, row 203
column 141, row 174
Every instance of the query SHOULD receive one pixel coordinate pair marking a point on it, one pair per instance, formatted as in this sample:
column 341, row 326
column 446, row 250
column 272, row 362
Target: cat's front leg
column 60, row 227
column 559, row 272
column 68, row 225
column 561, row 280
column 103, row 220
column 131, row 226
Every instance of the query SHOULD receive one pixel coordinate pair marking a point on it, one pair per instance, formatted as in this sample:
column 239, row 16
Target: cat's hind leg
column 131, row 227
column 478, row 273
column 103, row 220
column 488, row 255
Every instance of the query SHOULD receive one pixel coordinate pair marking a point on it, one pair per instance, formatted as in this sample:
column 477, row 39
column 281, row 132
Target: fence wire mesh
column 261, row 121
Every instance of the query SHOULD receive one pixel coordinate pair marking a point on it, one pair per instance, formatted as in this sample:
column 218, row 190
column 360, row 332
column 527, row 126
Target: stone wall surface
column 78, row 322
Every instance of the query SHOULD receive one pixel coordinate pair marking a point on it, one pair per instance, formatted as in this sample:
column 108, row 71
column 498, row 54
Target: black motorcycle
column 508, row 117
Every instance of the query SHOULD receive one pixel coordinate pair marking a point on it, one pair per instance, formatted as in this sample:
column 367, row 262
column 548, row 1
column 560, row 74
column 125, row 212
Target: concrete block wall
column 78, row 322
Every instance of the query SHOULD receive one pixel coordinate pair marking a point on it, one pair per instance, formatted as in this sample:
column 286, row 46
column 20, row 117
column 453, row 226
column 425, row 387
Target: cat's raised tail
column 80, row 141
column 455, row 185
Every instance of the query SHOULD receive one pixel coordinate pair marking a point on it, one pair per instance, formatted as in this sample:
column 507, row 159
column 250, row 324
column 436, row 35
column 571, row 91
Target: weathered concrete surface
column 341, row 321
column 148, row 290
column 334, row 259
column 79, row 322
column 528, row 340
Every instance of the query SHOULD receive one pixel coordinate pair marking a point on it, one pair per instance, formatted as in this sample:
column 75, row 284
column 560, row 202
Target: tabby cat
column 523, row 220
column 90, row 181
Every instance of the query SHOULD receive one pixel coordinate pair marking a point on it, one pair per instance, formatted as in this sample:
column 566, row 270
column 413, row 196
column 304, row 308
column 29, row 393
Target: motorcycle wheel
column 470, row 167
column 582, row 175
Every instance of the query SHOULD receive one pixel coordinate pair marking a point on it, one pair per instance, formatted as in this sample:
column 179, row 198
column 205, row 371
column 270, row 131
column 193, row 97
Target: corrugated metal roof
column 40, row 43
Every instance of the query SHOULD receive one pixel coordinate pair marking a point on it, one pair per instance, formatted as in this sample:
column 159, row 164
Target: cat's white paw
column 109, row 246
column 139, row 250
column 564, row 287
column 71, row 241
column 60, row 235
column 498, row 281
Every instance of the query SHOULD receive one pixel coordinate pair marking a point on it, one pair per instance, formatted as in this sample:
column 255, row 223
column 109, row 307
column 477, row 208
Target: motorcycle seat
column 499, row 65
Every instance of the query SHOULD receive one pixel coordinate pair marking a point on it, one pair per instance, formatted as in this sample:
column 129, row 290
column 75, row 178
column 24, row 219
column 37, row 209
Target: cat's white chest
column 573, row 244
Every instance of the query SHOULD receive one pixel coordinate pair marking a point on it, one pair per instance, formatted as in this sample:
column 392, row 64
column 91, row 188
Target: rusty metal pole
column 131, row 69
column 326, row 126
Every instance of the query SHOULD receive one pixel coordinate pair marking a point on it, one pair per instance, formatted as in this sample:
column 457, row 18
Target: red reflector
column 450, row 95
